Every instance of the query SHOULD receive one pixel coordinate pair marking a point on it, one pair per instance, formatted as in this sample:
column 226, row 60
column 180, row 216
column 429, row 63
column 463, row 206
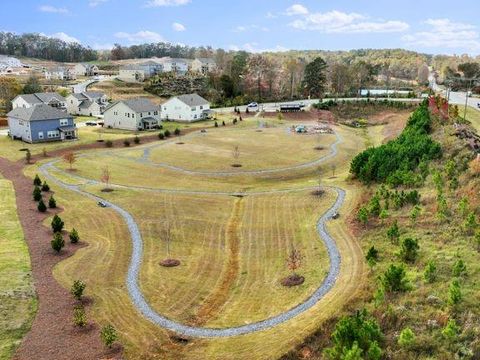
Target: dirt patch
column 319, row 148
column 236, row 165
column 170, row 262
column 53, row 335
column 107, row 190
column 292, row 280
column 218, row 297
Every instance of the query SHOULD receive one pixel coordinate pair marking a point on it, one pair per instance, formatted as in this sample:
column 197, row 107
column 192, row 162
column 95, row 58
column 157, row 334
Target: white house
column 84, row 69
column 187, row 108
column 88, row 103
column 176, row 65
column 139, row 72
column 203, row 65
column 60, row 73
column 50, row 98
column 133, row 114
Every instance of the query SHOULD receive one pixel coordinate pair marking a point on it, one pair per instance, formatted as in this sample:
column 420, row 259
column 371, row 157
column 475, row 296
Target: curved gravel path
column 142, row 305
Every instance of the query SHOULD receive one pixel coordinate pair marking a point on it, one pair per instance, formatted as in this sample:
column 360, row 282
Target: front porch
column 68, row 133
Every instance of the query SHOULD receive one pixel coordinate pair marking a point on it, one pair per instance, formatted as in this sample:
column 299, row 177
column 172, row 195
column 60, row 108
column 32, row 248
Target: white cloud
column 253, row 48
column 53, row 9
column 178, row 27
column 245, row 28
column 62, row 36
column 163, row 3
column 140, row 36
column 340, row 22
column 297, row 9
column 271, row 15
column 95, row 3
column 444, row 33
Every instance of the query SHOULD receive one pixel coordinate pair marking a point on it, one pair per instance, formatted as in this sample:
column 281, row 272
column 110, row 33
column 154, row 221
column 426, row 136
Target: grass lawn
column 232, row 250
column 17, row 297
column 473, row 116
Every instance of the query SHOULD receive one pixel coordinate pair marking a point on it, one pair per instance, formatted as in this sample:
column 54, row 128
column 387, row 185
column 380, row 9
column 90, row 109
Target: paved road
column 456, row 97
column 136, row 260
column 82, row 87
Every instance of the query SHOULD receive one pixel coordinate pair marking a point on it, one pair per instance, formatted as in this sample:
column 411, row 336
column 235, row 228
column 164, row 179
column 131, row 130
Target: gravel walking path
column 136, row 260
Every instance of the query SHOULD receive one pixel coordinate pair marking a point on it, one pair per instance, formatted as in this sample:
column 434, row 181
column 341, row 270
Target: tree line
column 43, row 47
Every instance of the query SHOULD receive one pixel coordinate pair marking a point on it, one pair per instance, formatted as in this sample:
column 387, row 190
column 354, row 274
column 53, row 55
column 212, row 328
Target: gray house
column 132, row 114
column 41, row 123
column 48, row 98
column 87, row 103
column 139, row 72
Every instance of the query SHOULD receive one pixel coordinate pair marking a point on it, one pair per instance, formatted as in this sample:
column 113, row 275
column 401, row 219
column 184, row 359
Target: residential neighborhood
column 52, row 99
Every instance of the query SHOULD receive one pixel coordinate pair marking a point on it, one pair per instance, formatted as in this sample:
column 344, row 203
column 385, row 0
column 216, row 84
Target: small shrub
column 393, row 232
column 216, row 124
column 177, row 131
column 223, row 122
column 430, row 273
column 74, row 237
column 57, row 243
column 57, row 224
column 109, row 143
column 409, row 250
column 161, row 136
column 372, row 256
column 79, row 316
column 52, row 203
column 108, row 335
column 167, row 133
column 37, row 193
column 406, row 338
column 37, row 181
column 77, row 289
column 136, row 140
column 451, row 330
column 44, row 152
column 459, row 268
column 454, row 293
column 362, row 215
column 41, row 206
column 126, row 143
column 395, row 279
column 45, row 187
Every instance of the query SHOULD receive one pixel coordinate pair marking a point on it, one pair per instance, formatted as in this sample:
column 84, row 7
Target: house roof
column 93, row 94
column 192, row 99
column 41, row 98
column 137, row 105
column 38, row 113
column 86, row 104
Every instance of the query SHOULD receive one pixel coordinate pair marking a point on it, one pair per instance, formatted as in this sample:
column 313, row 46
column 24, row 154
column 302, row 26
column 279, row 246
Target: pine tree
column 41, row 206
column 57, row 224
column 37, row 193
column 57, row 243
column 45, row 187
column 37, row 181
column 52, row 203
column 74, row 237
column 430, row 273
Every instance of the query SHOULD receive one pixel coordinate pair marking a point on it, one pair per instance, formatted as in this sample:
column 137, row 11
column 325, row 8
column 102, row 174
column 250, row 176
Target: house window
column 40, row 135
column 149, row 113
column 53, row 134
column 133, row 115
column 141, row 115
column 155, row 113
column 63, row 122
column 128, row 115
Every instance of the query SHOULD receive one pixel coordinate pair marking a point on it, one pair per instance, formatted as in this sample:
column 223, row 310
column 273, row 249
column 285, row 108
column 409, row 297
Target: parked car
column 203, row 130
column 102, row 204
column 478, row 105
column 335, row 215
column 91, row 123
column 252, row 105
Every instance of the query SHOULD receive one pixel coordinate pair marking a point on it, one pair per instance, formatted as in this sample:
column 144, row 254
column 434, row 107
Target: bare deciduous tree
column 70, row 158
column 167, row 234
column 106, row 176
column 294, row 260
column 236, row 152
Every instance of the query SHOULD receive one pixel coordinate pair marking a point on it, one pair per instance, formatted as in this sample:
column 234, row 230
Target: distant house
column 188, row 108
column 203, row 65
column 133, row 114
column 88, row 103
column 84, row 69
column 139, row 72
column 60, row 73
column 176, row 65
column 49, row 98
column 41, row 123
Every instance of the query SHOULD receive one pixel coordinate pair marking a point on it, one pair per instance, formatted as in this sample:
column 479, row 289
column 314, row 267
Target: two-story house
column 41, row 123
column 88, row 103
column 188, row 108
column 133, row 114
column 59, row 73
column 49, row 98
column 203, row 66
column 139, row 72
column 84, row 69
column 176, row 65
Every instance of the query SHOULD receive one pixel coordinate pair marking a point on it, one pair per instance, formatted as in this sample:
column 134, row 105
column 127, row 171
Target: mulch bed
column 236, row 165
column 292, row 280
column 53, row 335
column 170, row 262
column 107, row 190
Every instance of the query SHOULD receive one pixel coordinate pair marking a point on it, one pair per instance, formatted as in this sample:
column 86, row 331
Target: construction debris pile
column 469, row 135
column 312, row 129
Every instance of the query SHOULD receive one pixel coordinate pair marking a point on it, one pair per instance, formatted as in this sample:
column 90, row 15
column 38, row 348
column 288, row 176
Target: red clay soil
column 52, row 335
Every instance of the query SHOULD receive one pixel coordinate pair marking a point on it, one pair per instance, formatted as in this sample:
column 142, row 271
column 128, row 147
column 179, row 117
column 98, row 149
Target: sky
column 435, row 27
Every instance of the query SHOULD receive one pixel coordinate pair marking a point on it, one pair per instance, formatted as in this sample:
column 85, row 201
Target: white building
column 60, row 73
column 176, row 65
column 139, row 72
column 88, row 103
column 187, row 108
column 134, row 114
column 49, row 98
column 203, row 65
